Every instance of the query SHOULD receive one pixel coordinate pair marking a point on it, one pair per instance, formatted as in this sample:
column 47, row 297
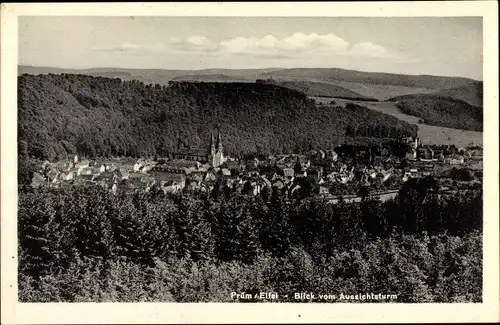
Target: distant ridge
column 380, row 86
column 423, row 81
column 330, row 74
column 218, row 77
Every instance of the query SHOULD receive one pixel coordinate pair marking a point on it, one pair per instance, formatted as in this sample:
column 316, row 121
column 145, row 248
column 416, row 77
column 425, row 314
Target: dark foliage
column 318, row 89
column 61, row 227
column 96, row 116
column 442, row 111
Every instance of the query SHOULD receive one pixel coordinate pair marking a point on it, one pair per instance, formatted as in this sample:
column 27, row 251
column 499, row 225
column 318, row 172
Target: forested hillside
column 442, row 111
column 319, row 89
column 472, row 94
column 63, row 114
column 335, row 74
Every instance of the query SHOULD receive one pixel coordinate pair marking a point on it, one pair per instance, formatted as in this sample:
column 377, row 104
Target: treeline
column 420, row 239
column 96, row 116
column 318, row 89
column 442, row 111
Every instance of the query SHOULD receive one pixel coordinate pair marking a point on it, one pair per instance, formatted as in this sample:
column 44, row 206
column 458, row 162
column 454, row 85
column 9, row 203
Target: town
column 328, row 173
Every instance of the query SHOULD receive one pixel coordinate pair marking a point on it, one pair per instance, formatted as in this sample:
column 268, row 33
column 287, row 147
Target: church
column 214, row 156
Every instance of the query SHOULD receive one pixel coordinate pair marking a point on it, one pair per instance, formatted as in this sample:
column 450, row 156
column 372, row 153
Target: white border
column 54, row 313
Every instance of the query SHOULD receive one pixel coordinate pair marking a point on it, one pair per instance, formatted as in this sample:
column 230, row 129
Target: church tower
column 216, row 157
column 211, row 152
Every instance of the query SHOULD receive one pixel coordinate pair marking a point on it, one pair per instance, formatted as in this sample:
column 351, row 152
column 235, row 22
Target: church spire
column 212, row 143
column 219, row 141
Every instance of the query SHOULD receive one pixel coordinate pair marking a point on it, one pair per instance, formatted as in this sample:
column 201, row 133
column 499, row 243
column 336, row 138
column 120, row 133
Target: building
column 214, row 156
column 173, row 182
column 82, row 164
column 425, row 153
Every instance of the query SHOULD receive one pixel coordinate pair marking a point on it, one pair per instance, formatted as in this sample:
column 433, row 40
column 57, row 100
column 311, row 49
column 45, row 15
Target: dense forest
column 96, row 116
column 85, row 244
column 442, row 111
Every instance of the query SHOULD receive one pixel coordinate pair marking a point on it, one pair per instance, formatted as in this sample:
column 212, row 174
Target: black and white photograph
column 326, row 160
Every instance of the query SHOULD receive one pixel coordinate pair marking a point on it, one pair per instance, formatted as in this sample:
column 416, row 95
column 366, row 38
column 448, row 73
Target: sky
column 447, row 46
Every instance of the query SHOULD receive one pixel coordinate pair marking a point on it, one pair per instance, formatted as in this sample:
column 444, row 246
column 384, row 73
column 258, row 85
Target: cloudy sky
column 437, row 46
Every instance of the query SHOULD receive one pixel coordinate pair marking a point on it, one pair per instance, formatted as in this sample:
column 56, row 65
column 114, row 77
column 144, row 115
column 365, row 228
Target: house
column 64, row 165
column 315, row 173
column 195, row 177
column 82, row 164
column 86, row 171
column 384, row 175
column 98, row 168
column 45, row 165
column 477, row 154
column 52, row 176
column 143, row 184
column 414, row 142
column 305, row 164
column 105, row 183
column 278, row 184
column 193, row 186
column 37, row 180
column 323, row 190
column 87, row 177
column 233, row 166
column 455, row 160
column 425, row 153
column 139, row 164
column 107, row 176
column 288, row 172
column 371, row 173
column 123, row 173
column 411, row 155
column 412, row 173
column 331, row 155
column 210, row 176
column 147, row 168
column 67, row 176
column 171, row 180
column 114, row 188
column 225, row 172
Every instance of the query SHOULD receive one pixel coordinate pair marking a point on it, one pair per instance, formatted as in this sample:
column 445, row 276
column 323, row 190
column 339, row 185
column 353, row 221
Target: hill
column 210, row 78
column 64, row 114
column 442, row 111
column 472, row 94
column 335, row 74
column 155, row 76
column 319, row 89
column 368, row 84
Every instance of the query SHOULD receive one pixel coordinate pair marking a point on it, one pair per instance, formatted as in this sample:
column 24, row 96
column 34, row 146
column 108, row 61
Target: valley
column 427, row 133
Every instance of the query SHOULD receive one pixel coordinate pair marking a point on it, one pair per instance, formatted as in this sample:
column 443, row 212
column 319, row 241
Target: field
column 428, row 134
